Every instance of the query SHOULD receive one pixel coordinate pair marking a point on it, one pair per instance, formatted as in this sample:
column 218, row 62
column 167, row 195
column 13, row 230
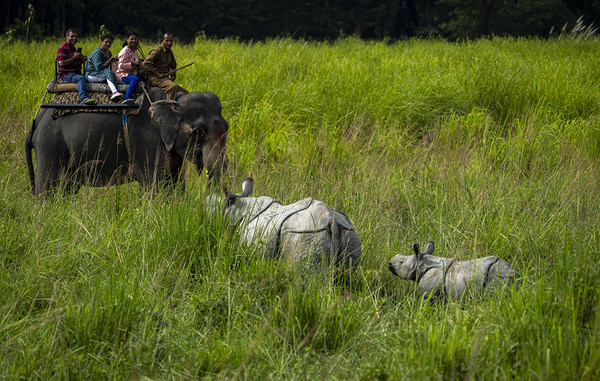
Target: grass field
column 487, row 147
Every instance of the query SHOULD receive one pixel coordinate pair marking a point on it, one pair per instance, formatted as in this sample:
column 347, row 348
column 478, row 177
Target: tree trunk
column 486, row 15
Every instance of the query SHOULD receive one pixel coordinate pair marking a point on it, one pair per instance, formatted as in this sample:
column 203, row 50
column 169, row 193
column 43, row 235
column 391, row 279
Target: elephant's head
column 194, row 128
column 406, row 266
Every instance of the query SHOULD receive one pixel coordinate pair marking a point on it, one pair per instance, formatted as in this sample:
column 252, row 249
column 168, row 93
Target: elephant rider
column 159, row 62
column 69, row 65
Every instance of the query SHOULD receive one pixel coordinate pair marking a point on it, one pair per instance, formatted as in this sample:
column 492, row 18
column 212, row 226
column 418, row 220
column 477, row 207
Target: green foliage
column 103, row 30
column 24, row 31
column 487, row 147
column 473, row 18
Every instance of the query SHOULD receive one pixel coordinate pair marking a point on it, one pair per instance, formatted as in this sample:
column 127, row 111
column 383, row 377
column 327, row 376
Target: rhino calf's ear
column 416, row 249
column 429, row 248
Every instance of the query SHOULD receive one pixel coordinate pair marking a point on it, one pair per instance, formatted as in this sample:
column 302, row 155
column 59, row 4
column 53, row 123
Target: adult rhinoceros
column 449, row 277
column 307, row 230
column 97, row 149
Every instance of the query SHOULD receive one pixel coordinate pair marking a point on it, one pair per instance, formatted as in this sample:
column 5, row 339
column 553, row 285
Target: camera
column 84, row 57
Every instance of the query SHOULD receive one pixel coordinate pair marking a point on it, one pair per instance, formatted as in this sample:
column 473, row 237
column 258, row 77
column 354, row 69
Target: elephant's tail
column 28, row 157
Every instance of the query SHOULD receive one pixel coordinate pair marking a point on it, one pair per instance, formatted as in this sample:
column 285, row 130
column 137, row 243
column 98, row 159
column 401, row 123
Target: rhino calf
column 451, row 278
column 306, row 230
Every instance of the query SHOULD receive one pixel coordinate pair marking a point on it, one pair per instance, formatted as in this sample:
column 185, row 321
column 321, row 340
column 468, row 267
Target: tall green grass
column 487, row 147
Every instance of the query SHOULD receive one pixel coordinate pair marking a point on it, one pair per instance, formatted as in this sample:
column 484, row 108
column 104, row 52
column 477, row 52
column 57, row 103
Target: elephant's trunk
column 215, row 160
column 214, row 154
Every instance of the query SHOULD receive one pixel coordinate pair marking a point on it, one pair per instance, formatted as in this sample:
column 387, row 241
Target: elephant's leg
column 148, row 169
column 160, row 170
column 48, row 175
column 72, row 181
column 168, row 173
column 176, row 174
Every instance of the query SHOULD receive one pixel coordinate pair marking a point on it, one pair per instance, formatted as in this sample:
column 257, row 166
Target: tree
column 310, row 19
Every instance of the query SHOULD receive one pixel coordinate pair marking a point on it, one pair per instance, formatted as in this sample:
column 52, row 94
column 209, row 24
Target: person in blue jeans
column 69, row 65
column 129, row 65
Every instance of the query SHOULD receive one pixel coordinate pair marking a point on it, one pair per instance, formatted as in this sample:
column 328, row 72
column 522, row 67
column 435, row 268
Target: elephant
column 90, row 148
column 307, row 231
column 444, row 278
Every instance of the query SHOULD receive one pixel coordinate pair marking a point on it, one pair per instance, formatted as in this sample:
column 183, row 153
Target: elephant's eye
column 199, row 127
column 200, row 130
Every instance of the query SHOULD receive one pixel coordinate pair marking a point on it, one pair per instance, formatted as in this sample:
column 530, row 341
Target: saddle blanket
column 67, row 93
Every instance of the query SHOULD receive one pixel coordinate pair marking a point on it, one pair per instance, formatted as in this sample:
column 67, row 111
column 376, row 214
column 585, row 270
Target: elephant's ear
column 165, row 116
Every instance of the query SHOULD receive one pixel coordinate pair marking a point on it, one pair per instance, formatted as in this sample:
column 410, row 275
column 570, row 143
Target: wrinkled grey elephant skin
column 93, row 149
column 451, row 278
column 307, row 230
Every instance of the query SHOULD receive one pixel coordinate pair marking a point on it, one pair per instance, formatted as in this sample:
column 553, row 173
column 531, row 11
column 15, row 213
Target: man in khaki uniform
column 159, row 63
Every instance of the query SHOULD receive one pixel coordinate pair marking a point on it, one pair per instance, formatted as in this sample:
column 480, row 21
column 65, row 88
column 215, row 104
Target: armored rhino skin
column 306, row 230
column 451, row 278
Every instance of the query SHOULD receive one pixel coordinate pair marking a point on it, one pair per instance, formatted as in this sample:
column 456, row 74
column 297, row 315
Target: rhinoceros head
column 217, row 204
column 405, row 266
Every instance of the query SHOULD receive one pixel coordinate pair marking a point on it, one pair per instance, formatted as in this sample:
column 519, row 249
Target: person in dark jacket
column 159, row 64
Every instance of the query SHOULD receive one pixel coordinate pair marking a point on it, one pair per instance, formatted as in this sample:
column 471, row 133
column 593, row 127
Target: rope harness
column 125, row 122
column 146, row 92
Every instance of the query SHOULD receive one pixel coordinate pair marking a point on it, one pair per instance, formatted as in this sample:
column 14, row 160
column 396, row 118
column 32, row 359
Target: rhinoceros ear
column 164, row 115
column 429, row 248
column 416, row 249
column 230, row 198
column 247, row 187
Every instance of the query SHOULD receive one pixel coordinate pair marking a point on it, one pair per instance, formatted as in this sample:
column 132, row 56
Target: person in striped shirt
column 69, row 65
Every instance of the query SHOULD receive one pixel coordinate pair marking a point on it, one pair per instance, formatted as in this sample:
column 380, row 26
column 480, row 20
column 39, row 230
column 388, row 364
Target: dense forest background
column 307, row 19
